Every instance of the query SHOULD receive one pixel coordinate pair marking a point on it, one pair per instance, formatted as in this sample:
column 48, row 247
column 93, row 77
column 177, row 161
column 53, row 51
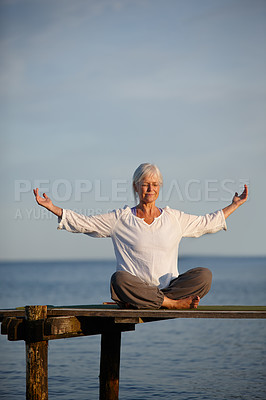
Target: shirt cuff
column 224, row 221
column 61, row 220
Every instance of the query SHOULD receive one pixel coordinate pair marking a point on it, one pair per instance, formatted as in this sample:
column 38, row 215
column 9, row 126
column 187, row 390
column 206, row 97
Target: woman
column 146, row 240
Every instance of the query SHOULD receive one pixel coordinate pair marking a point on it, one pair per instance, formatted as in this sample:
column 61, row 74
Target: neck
column 147, row 208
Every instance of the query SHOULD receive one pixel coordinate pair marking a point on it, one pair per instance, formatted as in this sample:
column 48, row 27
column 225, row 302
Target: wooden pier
column 36, row 325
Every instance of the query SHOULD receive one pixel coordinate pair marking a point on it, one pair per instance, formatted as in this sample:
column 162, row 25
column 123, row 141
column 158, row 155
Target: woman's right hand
column 44, row 201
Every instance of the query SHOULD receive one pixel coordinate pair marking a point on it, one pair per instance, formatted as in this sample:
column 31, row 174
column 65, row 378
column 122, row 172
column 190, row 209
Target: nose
column 150, row 187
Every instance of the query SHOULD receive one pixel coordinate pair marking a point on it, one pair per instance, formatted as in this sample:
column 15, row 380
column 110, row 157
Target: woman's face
column 148, row 189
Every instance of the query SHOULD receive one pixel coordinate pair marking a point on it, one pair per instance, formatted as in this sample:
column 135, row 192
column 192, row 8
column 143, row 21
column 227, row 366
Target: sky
column 91, row 89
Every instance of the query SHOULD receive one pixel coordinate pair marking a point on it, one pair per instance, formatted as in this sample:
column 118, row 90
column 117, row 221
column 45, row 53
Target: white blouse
column 147, row 251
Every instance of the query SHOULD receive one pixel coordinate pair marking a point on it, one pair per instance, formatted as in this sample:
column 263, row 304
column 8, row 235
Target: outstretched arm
column 47, row 203
column 236, row 202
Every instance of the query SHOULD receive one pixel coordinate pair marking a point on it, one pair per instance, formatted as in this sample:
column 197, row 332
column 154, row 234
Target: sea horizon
column 112, row 259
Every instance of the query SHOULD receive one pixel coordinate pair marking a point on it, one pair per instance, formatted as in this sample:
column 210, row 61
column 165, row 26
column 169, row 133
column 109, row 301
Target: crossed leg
column 183, row 292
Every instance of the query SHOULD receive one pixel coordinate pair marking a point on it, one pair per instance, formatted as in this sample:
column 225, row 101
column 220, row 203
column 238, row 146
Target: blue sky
column 91, row 89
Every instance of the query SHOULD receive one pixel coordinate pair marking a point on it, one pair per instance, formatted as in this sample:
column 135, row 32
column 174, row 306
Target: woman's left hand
column 236, row 202
column 239, row 200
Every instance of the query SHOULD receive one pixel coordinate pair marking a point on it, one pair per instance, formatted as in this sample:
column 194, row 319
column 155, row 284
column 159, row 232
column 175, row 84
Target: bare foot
column 182, row 304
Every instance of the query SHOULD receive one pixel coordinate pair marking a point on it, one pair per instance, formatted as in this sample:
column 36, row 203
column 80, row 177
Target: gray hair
column 144, row 170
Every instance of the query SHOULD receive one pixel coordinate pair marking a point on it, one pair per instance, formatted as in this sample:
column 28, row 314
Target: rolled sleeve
column 61, row 220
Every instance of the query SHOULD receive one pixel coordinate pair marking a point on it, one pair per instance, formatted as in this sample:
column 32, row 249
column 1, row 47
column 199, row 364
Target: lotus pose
column 146, row 240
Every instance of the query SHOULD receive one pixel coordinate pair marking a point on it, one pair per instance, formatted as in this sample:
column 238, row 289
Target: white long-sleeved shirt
column 147, row 251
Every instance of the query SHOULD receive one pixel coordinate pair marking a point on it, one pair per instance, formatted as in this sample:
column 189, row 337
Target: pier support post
column 36, row 357
column 109, row 365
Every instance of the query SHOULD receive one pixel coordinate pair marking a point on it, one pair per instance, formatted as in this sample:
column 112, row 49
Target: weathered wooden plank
column 36, row 359
column 6, row 324
column 259, row 312
column 113, row 312
column 11, row 313
column 60, row 327
column 57, row 327
column 15, row 329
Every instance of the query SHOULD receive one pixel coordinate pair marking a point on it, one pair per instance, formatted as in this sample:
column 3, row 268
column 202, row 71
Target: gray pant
column 129, row 289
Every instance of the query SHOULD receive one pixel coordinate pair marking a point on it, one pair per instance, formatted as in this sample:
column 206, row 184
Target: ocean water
column 178, row 359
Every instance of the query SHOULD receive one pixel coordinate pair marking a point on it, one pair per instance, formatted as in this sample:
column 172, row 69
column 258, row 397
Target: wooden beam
column 113, row 312
column 201, row 312
column 13, row 327
column 109, row 365
column 61, row 327
column 36, row 358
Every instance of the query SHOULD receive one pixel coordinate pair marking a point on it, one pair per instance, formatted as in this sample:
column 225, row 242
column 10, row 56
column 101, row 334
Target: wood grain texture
column 36, row 359
column 109, row 365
